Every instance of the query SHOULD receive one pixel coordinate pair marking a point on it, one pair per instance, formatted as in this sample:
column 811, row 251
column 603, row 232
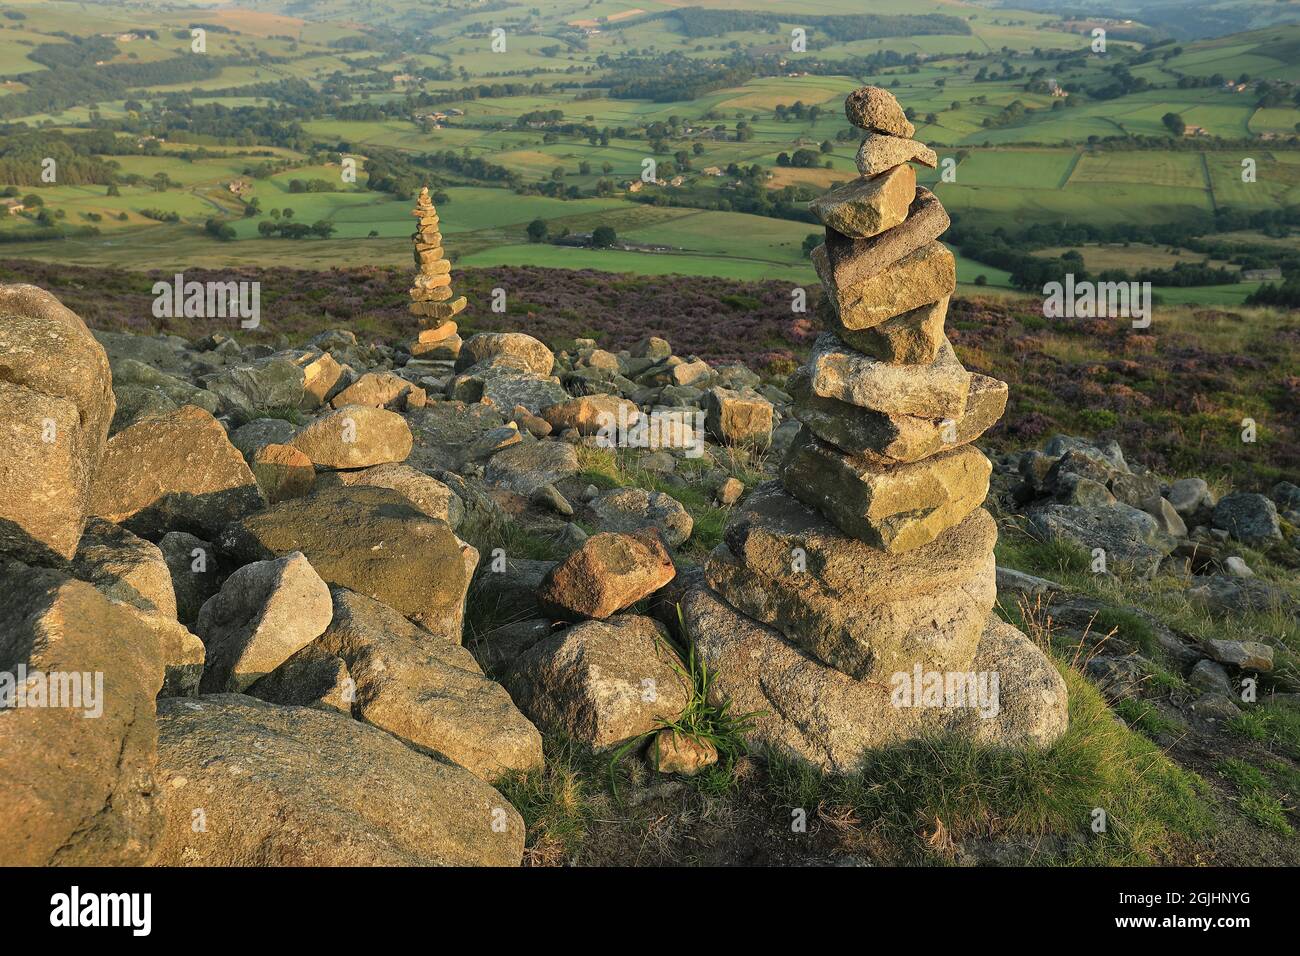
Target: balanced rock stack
column 432, row 298
column 872, row 558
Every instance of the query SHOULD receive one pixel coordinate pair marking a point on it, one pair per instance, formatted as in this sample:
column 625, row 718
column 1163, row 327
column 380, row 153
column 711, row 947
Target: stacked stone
column 432, row 298
column 888, row 565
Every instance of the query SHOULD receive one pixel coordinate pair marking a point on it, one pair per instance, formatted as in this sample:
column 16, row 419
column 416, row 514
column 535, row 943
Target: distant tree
column 603, row 237
column 323, row 228
column 113, row 190
column 266, row 228
column 811, row 242
column 537, row 230
column 827, row 146
column 1174, row 123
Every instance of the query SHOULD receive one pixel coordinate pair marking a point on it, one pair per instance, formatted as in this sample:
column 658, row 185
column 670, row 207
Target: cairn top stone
column 874, row 108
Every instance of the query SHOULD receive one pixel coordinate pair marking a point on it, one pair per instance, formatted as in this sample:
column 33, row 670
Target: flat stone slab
column 865, row 207
column 938, row 390
column 842, row 261
column 894, row 439
column 880, row 152
column 919, row 278
column 861, row 610
column 894, row 508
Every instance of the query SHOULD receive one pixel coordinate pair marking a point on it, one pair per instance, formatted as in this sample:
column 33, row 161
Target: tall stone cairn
column 881, row 493
column 432, row 297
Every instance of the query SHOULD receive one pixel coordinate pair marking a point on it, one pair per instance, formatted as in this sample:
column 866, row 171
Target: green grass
column 1256, row 800
column 914, row 795
column 1274, row 725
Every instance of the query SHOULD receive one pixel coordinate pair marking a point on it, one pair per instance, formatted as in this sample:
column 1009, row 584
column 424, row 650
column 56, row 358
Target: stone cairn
column 873, row 555
column 432, row 298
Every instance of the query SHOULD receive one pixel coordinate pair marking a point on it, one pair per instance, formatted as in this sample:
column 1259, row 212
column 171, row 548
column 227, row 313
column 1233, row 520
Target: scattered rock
column 607, row 573
column 295, row 786
column 264, row 612
column 602, row 682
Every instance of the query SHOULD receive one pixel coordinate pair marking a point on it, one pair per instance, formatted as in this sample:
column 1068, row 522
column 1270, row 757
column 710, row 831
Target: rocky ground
column 356, row 606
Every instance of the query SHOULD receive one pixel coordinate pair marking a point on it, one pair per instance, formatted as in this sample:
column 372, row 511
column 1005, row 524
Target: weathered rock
column 294, row 786
column 912, row 338
column 507, row 588
column 1167, row 517
column 674, row 752
column 889, row 439
column 1013, row 582
column 602, row 682
column 632, row 509
column 428, row 692
column 1188, row 495
column 592, row 414
column 875, row 109
column 355, row 436
column 428, row 494
column 879, row 153
column 77, row 791
column 1249, row 518
column 525, row 467
column 938, row 390
column 177, row 472
column 919, row 278
column 1130, row 538
column 842, row 262
column 282, row 472
column 1247, row 655
column 1286, row 496
column 131, row 373
column 263, row 614
column 323, row 377
column 380, row 390
column 56, row 404
column 498, row 647
column 194, row 571
column 866, row 207
column 259, row 433
column 861, row 610
column 125, row 567
column 1225, row 594
column 370, row 540
column 250, row 391
column 896, row 508
column 729, row 492
column 738, row 417
column 515, row 347
column 608, row 573
column 1210, row 677
column 807, row 710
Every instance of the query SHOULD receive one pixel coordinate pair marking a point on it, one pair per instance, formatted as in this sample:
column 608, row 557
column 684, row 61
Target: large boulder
column 592, row 414
column 371, row 540
column 428, row 494
column 263, row 614
column 247, row 783
column 801, row 708
column 175, row 472
column 195, row 574
column 512, row 348
column 354, row 436
column 606, row 574
column 250, row 391
column 125, row 567
column 1131, row 539
column 428, row 692
column 738, row 416
column 602, row 682
column 861, row 610
column 76, row 791
column 528, row 465
column 1249, row 518
column 56, row 403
